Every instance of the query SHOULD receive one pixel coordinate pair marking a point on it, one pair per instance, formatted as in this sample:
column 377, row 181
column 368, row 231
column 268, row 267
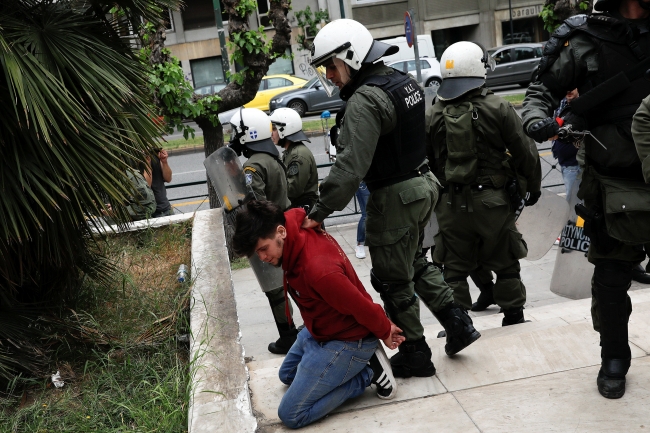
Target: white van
column 425, row 48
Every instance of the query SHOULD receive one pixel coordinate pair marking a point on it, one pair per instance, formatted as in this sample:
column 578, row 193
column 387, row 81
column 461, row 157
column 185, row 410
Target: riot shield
column 542, row 223
column 430, row 230
column 268, row 276
column 572, row 272
column 227, row 176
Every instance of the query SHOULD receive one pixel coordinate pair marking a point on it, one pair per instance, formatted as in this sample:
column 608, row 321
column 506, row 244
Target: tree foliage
column 310, row 24
column 555, row 12
column 250, row 48
column 74, row 113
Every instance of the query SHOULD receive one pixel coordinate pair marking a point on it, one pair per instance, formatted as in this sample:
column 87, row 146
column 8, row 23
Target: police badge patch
column 293, row 169
column 249, row 178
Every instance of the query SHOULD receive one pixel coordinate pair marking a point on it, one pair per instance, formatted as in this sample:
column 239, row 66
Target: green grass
column 181, row 143
column 310, row 126
column 240, row 263
column 515, row 99
column 126, row 370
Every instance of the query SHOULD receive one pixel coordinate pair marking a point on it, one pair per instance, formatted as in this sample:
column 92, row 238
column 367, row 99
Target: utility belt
column 382, row 183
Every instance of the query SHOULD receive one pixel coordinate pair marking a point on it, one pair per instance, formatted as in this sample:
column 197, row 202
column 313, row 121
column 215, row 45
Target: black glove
column 577, row 122
column 543, row 130
column 532, row 197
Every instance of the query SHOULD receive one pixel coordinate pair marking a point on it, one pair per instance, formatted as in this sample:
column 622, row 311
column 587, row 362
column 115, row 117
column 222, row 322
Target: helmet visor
column 330, row 88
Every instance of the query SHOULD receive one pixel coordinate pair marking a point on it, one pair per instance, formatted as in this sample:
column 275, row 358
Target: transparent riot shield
column 430, row 230
column 541, row 224
column 268, row 276
column 227, row 176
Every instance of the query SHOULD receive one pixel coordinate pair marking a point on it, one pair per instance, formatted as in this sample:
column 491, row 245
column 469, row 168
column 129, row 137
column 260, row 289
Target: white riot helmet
column 345, row 42
column 252, row 130
column 289, row 124
column 463, row 66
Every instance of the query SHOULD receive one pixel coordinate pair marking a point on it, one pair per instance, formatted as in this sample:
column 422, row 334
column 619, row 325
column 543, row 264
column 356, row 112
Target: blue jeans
column 321, row 376
column 362, row 197
column 569, row 174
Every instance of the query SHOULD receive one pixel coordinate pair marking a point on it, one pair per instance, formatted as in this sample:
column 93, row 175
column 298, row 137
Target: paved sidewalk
column 534, row 377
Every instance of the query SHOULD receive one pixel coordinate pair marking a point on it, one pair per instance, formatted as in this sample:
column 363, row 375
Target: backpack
column 143, row 204
column 461, row 122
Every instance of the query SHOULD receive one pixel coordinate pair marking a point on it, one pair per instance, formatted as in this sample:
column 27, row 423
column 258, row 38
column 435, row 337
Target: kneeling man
column 337, row 355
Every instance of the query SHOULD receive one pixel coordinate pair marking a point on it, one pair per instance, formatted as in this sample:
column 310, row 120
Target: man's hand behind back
column 395, row 338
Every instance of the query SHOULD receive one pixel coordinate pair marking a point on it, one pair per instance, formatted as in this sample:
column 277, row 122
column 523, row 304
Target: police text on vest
column 414, row 96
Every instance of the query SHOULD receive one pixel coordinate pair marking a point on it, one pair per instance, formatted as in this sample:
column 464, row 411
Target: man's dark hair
column 257, row 219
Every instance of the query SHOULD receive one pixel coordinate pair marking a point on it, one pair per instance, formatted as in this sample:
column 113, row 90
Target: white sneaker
column 360, row 252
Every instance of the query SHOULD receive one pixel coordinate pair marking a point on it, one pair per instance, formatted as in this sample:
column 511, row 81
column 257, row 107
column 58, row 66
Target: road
column 189, row 168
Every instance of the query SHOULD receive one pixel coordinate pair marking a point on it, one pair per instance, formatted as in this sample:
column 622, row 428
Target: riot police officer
column 473, row 136
column 382, row 141
column 265, row 176
column 604, row 56
column 302, row 172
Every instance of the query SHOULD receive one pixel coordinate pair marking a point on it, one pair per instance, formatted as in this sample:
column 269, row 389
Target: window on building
column 166, row 16
column 199, row 14
column 282, row 65
column 263, row 13
column 207, row 71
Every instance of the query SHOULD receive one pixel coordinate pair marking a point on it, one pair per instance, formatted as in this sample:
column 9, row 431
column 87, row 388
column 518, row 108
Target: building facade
column 193, row 36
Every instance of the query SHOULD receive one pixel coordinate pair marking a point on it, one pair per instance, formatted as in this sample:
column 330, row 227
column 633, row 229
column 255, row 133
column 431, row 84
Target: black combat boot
column 611, row 377
column 613, row 313
column 458, row 327
column 485, row 299
column 513, row 316
column 413, row 359
column 640, row 275
column 288, row 335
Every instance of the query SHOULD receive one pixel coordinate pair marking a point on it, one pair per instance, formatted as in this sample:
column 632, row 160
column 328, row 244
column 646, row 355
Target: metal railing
column 354, row 202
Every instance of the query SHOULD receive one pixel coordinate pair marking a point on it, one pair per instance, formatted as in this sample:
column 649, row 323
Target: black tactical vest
column 403, row 149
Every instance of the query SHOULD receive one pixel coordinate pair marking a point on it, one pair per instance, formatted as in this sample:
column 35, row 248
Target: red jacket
column 321, row 280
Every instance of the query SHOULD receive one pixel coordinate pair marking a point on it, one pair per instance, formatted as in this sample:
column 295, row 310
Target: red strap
column 559, row 121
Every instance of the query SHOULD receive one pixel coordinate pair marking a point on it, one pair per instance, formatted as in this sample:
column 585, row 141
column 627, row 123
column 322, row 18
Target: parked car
column 429, row 68
column 515, row 64
column 272, row 85
column 308, row 98
column 209, row 90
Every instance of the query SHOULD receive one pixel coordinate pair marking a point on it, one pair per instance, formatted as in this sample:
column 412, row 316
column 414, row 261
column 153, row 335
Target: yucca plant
column 74, row 110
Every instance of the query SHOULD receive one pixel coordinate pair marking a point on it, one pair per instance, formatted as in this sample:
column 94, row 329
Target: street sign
column 408, row 28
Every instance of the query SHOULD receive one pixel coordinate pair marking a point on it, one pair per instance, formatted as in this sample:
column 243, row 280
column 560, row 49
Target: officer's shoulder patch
column 249, row 178
column 292, row 170
column 250, row 169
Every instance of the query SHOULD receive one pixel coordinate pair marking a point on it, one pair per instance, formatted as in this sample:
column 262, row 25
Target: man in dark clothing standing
column 160, row 172
column 605, row 56
column 337, row 355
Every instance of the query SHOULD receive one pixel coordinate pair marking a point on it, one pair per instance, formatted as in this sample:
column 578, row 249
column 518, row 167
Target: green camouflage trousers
column 396, row 217
column 486, row 236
